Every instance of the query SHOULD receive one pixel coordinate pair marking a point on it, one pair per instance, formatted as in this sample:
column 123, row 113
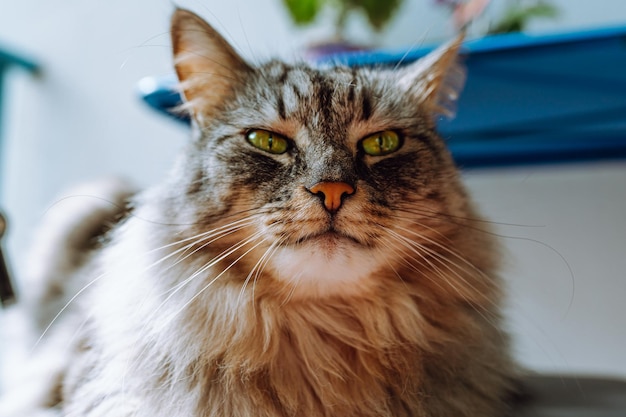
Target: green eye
column 268, row 141
column 381, row 143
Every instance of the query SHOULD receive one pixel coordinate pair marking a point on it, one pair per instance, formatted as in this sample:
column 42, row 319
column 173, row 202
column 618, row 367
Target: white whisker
column 54, row 319
column 426, row 254
column 257, row 269
column 447, row 249
column 218, row 276
column 180, row 286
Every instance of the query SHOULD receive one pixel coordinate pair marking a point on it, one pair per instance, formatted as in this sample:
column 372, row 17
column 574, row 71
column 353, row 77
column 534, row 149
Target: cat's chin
column 326, row 265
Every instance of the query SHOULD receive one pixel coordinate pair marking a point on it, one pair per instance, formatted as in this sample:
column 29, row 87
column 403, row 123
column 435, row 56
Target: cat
column 312, row 253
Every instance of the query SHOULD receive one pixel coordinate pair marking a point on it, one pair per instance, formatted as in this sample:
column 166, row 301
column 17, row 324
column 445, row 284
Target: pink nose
column 332, row 193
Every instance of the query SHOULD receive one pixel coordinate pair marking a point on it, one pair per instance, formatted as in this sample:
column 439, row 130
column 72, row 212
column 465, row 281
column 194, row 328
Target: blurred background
column 79, row 117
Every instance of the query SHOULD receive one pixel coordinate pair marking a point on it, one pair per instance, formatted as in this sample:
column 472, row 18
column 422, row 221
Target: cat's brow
column 366, row 103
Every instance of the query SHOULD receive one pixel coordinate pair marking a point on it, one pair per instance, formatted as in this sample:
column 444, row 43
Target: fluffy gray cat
column 313, row 253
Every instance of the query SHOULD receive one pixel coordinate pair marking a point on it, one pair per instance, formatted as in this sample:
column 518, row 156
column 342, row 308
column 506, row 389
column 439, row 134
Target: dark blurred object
column 7, row 294
column 571, row 396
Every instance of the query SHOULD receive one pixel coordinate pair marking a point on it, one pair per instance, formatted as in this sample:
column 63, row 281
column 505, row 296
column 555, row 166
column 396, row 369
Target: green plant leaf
column 516, row 18
column 303, row 12
column 378, row 12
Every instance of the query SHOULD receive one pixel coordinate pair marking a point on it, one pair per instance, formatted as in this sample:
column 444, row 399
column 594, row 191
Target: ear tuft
column 437, row 79
column 208, row 67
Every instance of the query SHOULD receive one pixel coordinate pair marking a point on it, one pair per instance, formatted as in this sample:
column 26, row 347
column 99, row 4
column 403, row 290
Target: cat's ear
column 208, row 67
column 437, row 79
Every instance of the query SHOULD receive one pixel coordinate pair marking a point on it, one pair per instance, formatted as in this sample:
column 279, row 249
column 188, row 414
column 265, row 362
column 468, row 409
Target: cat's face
column 329, row 172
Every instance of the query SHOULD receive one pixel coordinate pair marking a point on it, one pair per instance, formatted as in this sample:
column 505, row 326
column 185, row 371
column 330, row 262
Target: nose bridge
column 333, row 166
column 332, row 177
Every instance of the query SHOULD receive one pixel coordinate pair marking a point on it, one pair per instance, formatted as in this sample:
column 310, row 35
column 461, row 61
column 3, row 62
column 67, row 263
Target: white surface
column 81, row 120
column 564, row 228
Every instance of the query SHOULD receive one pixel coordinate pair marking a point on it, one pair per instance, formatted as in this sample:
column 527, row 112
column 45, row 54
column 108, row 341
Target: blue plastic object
column 7, row 61
column 528, row 99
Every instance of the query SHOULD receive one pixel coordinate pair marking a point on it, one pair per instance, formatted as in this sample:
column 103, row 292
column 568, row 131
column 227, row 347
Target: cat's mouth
column 331, row 236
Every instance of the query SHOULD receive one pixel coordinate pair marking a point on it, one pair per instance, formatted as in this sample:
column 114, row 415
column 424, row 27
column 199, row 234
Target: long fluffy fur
column 231, row 291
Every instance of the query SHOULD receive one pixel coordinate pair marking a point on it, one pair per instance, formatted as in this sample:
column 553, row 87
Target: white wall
column 80, row 119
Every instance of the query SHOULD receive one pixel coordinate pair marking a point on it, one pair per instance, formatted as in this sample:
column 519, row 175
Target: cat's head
column 326, row 178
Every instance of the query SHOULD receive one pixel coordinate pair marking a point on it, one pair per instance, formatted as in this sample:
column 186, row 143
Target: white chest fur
column 326, row 266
